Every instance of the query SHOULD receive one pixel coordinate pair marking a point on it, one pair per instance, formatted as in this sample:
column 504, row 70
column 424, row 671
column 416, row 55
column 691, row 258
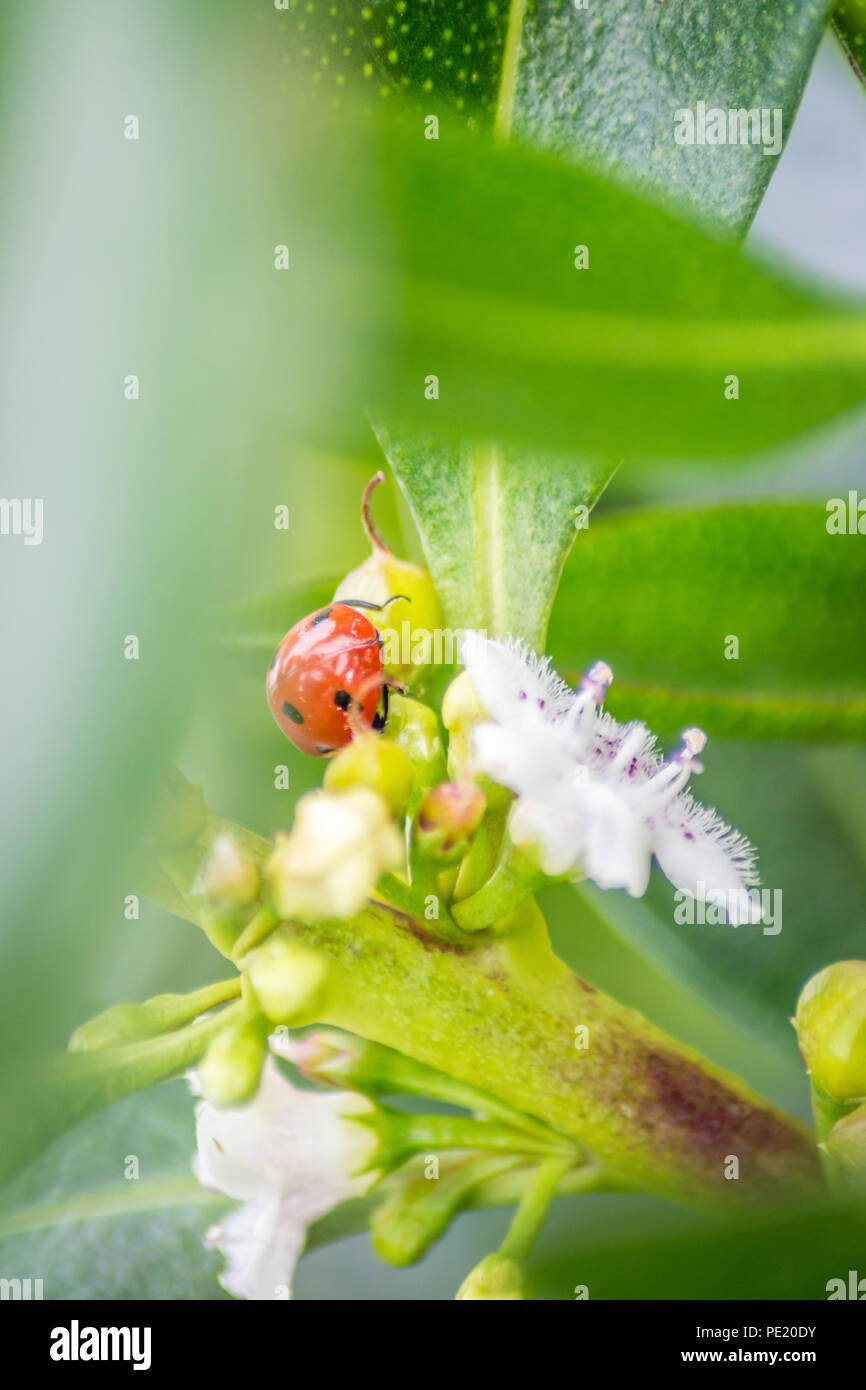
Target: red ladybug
column 327, row 678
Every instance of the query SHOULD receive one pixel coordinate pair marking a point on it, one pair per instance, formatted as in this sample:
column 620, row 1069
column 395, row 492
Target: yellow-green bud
column 229, row 1071
column 287, row 977
column 831, row 1028
column 846, row 1142
column 414, row 728
column 461, row 711
column 406, row 626
column 496, row 1278
column 448, row 817
column 371, row 761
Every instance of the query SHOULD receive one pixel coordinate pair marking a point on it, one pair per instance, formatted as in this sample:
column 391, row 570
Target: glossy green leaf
column 663, row 596
column 849, row 21
column 496, row 528
column 600, row 82
column 112, row 1211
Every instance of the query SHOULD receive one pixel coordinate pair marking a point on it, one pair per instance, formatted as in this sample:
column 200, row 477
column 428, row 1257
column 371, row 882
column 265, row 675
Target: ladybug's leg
column 381, row 718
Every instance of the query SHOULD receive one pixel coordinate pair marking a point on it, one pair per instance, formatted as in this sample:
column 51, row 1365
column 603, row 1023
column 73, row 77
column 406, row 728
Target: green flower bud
column 229, row 1071
column 371, row 761
column 846, row 1143
column 287, row 977
column 414, row 728
column 461, row 711
column 496, row 1278
column 408, row 625
column 448, row 817
column 831, row 1027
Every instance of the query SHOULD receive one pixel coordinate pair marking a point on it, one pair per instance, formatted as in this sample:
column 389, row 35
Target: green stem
column 533, row 1208
column 255, row 933
column 500, row 1012
column 401, row 1135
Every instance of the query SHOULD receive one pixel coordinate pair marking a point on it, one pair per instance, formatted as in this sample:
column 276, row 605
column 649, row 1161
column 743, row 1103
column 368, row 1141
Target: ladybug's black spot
column 320, row 617
column 291, row 713
column 321, row 750
column 342, row 699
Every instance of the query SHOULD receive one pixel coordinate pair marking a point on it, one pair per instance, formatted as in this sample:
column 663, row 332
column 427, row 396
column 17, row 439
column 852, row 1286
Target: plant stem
column 533, row 1208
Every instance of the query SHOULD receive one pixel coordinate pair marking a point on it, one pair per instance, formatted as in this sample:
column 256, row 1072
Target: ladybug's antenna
column 373, row 534
column 375, row 607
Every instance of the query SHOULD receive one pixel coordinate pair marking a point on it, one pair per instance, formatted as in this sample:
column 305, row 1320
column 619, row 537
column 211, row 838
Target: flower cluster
column 594, row 797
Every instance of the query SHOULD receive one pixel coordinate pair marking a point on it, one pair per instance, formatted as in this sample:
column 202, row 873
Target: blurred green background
column 155, row 258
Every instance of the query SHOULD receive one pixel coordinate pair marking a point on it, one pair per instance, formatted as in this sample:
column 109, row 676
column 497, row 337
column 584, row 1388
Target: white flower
column 337, row 850
column 595, row 797
column 289, row 1156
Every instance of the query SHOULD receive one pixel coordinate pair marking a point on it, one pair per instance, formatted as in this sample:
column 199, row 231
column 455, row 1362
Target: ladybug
column 327, row 678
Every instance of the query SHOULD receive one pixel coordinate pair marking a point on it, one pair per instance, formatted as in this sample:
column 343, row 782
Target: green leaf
column 252, row 629
column 669, row 1255
column 495, row 527
column 601, row 83
column 661, row 596
column 606, row 82
column 849, row 22
column 88, row 1231
column 632, row 355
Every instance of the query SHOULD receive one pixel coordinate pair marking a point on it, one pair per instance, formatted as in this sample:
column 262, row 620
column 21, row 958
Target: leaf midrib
column 110, row 1201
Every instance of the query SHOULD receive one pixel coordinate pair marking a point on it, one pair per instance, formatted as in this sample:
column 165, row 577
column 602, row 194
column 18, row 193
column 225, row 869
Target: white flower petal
column 593, row 794
column 512, row 683
column 290, row 1156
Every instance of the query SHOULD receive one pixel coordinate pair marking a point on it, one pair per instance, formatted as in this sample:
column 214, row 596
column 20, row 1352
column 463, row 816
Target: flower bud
column 496, row 1278
column 339, row 846
column 448, row 817
column 229, row 1071
column 846, row 1142
column 326, row 1056
column 229, row 877
column 375, row 762
column 831, row 1027
column 287, row 977
column 414, row 728
column 461, row 711
column 407, row 625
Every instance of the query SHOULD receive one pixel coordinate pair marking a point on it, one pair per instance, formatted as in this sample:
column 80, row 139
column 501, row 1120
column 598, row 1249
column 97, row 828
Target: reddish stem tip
column 375, row 538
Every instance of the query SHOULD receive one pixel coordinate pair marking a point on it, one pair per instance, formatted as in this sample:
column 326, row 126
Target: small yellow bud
column 461, row 711
column 407, row 625
column 287, row 977
column 831, row 1028
column 375, row 762
column 496, row 1278
column 229, row 1071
